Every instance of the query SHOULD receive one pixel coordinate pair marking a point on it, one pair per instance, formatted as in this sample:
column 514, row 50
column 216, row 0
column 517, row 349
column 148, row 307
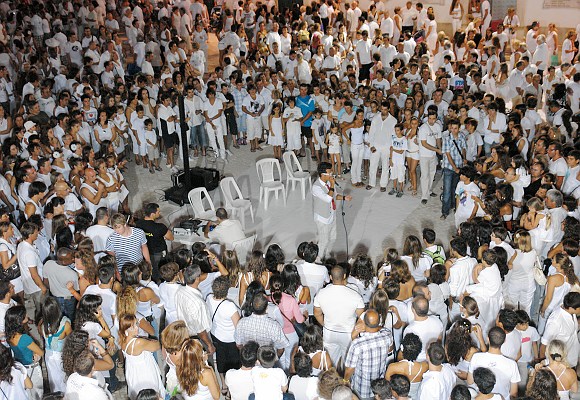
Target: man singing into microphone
column 324, row 198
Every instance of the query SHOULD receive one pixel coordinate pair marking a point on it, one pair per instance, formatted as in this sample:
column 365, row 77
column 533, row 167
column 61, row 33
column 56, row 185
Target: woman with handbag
column 293, row 317
column 10, row 270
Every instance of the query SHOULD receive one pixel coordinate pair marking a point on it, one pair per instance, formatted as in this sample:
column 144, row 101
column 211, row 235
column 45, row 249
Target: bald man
column 72, row 205
column 336, row 308
column 63, row 280
column 369, row 354
column 428, row 327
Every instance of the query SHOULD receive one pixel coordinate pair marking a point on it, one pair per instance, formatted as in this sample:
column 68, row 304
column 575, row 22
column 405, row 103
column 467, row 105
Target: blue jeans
column 197, row 136
column 67, row 306
column 450, row 181
column 113, row 381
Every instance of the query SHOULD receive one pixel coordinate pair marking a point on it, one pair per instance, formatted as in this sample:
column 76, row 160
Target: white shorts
column 398, row 172
column 254, row 127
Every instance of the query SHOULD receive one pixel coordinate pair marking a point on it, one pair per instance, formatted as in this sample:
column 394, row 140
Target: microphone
column 337, row 184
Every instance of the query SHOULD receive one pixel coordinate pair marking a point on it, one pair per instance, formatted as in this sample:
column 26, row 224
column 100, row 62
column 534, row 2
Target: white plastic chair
column 237, row 205
column 295, row 173
column 268, row 181
column 243, row 247
column 196, row 198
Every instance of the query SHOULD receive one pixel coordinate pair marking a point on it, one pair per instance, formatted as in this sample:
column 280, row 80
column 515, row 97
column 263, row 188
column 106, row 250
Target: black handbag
column 10, row 273
column 299, row 327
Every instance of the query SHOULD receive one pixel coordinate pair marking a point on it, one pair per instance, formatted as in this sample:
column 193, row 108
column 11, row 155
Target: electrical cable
column 344, row 224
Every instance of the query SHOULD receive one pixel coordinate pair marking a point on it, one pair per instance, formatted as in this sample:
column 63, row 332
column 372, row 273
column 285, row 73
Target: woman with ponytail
column 290, row 312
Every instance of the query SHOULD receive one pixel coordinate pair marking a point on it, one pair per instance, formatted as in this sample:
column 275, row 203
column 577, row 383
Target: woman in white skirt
column 292, row 118
column 55, row 328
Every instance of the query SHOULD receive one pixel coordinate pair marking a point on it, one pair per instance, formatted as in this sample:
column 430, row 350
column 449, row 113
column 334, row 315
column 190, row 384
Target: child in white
column 465, row 206
column 334, row 143
column 366, row 152
column 529, row 347
column 319, row 136
column 120, row 122
column 292, row 118
column 269, row 382
column 152, row 146
column 138, row 135
column 397, row 160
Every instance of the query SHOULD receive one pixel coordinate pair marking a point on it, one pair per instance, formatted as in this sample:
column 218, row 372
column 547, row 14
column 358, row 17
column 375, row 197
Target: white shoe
column 174, row 169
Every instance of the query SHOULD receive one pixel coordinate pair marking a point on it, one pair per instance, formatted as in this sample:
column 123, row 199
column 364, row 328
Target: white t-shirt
column 109, row 304
column 512, row 345
column 213, row 109
column 304, row 388
column 558, row 167
column 268, row 383
column 239, row 382
column 529, row 337
column 221, row 312
column 430, row 134
column 428, row 330
column 312, row 275
column 99, row 235
column 339, row 305
column 505, row 370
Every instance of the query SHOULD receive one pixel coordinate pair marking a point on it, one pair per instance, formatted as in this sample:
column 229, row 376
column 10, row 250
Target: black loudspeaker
column 200, row 177
column 177, row 195
column 206, row 177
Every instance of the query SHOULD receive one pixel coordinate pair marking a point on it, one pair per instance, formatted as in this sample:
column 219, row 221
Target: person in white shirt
column 104, row 289
column 82, row 384
column 336, row 308
column 563, row 325
column 507, row 320
column 380, row 143
column 100, row 232
column 460, row 267
column 429, row 146
column 31, row 265
column 506, row 371
column 224, row 231
column 324, row 199
column 541, row 57
column 439, row 380
column 191, row 308
column 428, row 327
column 239, row 381
column 212, row 110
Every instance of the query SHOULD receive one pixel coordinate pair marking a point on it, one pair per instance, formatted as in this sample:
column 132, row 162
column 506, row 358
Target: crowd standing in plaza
column 91, row 88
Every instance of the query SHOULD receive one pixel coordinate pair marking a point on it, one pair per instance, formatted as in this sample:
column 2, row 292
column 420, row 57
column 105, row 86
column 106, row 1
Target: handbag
column 10, row 273
column 299, row 327
column 539, row 276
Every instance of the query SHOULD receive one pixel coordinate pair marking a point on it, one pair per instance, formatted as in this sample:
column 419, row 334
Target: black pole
column 184, row 147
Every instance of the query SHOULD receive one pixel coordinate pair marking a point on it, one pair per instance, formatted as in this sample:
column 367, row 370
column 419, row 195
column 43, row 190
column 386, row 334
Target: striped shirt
column 127, row 249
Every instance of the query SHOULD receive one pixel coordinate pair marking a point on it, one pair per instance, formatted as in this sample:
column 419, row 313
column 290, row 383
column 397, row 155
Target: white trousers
column 381, row 155
column 336, row 343
column 216, row 138
column 356, row 151
column 254, row 127
column 456, row 24
column 285, row 360
column 428, row 169
column 326, row 238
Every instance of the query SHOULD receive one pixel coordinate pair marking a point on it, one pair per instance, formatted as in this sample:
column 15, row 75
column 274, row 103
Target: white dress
column 520, row 285
column 488, row 294
column 293, row 130
column 114, row 198
column 141, row 372
column 104, row 134
column 275, row 137
column 432, row 38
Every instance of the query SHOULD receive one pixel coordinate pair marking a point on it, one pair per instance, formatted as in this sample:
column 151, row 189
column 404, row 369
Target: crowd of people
column 93, row 301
